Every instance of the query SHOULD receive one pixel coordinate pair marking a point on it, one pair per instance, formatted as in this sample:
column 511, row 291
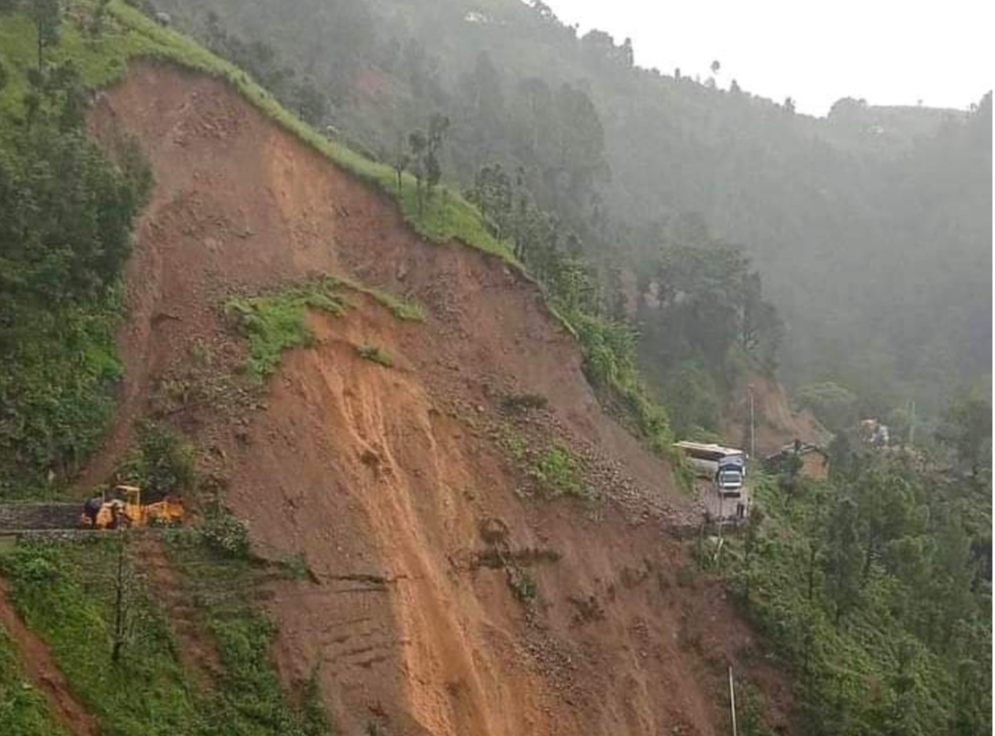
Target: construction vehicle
column 125, row 509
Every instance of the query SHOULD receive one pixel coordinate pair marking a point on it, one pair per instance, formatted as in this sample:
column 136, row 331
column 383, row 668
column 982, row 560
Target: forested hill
column 871, row 227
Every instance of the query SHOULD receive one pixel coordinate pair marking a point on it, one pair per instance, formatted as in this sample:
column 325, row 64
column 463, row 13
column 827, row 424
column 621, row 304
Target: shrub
column 31, row 564
column 522, row 584
column 558, row 473
column 164, row 462
column 375, row 354
column 226, row 535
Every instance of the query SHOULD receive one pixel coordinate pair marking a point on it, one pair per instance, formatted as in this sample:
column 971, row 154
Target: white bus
column 726, row 466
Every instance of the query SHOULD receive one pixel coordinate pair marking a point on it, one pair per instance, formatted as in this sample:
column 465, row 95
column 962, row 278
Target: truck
column 725, row 466
column 731, row 475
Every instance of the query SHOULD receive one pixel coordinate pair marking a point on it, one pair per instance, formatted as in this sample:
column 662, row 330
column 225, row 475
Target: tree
column 715, row 67
column 426, row 147
column 761, row 328
column 401, row 160
column 418, row 143
column 45, row 14
column 885, row 503
column 311, row 104
column 438, row 126
column 789, row 105
column 492, row 192
column 966, row 429
column 832, row 404
column 543, row 11
column 627, row 54
column 842, row 557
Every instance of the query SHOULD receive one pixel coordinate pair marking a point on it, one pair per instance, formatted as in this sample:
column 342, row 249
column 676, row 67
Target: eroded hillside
column 447, row 595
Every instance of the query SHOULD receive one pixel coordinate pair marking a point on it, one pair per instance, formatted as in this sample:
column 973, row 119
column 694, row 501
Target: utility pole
column 753, row 443
column 912, row 423
column 732, row 702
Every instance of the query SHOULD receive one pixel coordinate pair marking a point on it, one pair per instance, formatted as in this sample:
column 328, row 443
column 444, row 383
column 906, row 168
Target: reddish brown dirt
column 776, row 423
column 382, row 477
column 43, row 672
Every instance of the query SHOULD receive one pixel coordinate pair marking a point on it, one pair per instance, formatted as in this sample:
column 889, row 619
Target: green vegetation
column 249, row 697
column 441, row 218
column 278, row 322
column 608, row 341
column 67, row 593
column 66, row 213
column 225, row 535
column 23, row 710
column 163, row 462
column 834, row 406
column 523, row 585
column 558, row 473
column 875, row 589
column 274, row 325
column 405, row 310
column 861, row 202
column 375, row 354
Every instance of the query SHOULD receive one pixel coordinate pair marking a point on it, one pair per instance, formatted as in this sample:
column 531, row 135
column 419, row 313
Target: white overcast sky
column 890, row 52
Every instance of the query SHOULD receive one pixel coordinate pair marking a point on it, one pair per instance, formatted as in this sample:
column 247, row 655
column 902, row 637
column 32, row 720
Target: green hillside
column 871, row 227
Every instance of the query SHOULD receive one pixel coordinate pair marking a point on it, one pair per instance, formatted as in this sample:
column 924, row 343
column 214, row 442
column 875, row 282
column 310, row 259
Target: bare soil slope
column 776, row 423
column 443, row 602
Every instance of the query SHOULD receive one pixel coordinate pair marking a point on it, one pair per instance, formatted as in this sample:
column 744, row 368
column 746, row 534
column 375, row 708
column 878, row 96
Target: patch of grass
column 514, row 443
column 23, row 710
column 278, row 322
column 555, row 471
column 558, row 473
column 375, row 354
column 404, row 309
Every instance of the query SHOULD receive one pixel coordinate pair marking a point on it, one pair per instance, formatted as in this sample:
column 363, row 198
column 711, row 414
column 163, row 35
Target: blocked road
column 719, row 507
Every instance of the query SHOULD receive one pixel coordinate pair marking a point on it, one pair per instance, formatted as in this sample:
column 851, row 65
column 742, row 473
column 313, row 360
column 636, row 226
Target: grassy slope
column 66, row 592
column 23, row 710
column 103, row 59
column 446, row 216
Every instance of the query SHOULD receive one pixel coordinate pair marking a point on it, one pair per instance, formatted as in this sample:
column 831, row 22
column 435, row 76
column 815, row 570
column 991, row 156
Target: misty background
column 870, row 227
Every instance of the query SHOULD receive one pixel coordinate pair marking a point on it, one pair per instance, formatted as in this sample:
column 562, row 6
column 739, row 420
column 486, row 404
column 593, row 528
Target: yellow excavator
column 125, row 509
